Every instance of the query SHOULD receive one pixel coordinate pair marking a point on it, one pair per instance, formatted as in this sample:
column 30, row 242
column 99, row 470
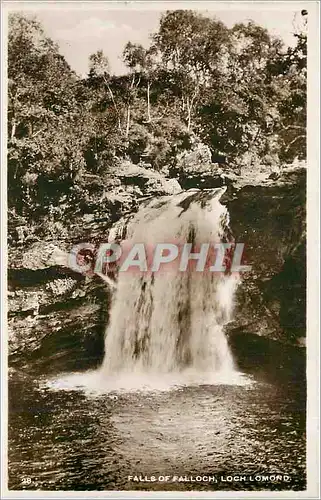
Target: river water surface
column 68, row 438
column 102, row 431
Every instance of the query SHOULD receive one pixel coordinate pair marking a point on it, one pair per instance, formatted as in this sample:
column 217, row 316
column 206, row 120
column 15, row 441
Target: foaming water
column 166, row 321
column 95, row 383
column 166, row 328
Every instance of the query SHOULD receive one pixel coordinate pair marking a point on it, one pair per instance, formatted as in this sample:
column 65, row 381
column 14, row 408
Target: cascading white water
column 172, row 321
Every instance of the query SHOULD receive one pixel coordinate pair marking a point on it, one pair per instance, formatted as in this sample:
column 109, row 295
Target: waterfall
column 170, row 321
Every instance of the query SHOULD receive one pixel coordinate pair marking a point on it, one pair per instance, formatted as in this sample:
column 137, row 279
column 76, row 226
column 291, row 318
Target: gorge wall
column 57, row 317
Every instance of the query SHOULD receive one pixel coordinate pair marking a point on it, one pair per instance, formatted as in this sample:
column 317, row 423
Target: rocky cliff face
column 58, row 317
column 270, row 220
column 55, row 314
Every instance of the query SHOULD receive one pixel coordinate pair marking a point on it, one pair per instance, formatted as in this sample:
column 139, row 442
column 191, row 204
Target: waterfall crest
column 171, row 321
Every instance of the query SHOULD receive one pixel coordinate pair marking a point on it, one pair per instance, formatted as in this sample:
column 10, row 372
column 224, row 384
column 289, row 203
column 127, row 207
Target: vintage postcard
column 160, row 235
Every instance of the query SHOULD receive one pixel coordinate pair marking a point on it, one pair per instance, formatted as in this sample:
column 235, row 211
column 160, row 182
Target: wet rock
column 48, row 303
column 149, row 181
column 270, row 221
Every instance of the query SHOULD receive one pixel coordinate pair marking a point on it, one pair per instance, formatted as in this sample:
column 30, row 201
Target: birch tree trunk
column 128, row 121
column 128, row 109
column 148, row 102
column 115, row 105
column 13, row 128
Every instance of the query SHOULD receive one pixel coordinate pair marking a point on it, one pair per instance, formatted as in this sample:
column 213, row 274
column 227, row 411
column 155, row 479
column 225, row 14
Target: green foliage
column 239, row 91
column 42, row 108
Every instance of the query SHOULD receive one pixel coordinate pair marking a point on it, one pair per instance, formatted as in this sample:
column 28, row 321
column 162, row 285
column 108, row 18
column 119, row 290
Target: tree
column 239, row 91
column 137, row 60
column 50, row 124
column 143, row 62
column 293, row 106
column 192, row 49
column 99, row 70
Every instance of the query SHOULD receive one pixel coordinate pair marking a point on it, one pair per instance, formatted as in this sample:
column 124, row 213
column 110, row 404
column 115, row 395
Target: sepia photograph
column 161, row 249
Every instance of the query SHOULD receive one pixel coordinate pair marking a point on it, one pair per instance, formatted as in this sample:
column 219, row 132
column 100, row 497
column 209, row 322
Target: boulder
column 54, row 311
